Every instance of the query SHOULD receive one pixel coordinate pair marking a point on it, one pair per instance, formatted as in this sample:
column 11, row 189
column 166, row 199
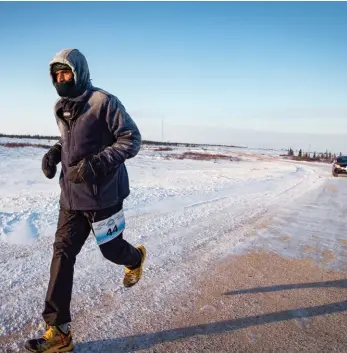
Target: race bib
column 109, row 228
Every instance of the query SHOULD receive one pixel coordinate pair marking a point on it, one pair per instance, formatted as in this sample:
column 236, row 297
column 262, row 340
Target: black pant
column 72, row 232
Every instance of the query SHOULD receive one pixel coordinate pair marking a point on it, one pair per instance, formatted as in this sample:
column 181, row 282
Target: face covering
column 67, row 89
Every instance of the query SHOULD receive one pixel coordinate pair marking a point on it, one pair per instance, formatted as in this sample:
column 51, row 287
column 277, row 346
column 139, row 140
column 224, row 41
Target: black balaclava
column 69, row 88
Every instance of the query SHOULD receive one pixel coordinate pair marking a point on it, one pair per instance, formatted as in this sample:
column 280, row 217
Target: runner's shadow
column 148, row 340
column 337, row 284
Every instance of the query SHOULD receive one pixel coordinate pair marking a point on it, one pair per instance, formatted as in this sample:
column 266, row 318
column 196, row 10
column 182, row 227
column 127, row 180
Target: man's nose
column 60, row 78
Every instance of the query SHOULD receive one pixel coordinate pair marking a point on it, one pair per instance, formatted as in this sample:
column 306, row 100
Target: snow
column 189, row 214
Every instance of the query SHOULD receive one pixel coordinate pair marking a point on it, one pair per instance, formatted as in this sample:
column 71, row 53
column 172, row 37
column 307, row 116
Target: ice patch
column 23, row 232
column 253, row 337
column 208, row 308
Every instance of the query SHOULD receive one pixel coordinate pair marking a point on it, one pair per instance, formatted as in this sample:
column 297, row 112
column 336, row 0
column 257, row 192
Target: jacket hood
column 78, row 63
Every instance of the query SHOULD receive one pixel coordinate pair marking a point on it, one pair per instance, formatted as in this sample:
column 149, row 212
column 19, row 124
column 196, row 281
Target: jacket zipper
column 95, row 190
column 67, row 123
column 69, row 183
column 95, row 187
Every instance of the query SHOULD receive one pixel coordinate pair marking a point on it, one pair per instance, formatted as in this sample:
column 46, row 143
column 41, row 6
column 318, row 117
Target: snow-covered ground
column 189, row 214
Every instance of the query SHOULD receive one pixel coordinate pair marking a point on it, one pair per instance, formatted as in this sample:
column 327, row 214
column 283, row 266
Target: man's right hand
column 50, row 161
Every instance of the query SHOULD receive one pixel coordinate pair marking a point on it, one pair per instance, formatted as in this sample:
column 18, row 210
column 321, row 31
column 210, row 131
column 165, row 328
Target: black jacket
column 98, row 124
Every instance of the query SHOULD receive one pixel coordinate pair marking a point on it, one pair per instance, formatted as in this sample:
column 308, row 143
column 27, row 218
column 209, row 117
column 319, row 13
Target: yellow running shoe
column 132, row 276
column 56, row 339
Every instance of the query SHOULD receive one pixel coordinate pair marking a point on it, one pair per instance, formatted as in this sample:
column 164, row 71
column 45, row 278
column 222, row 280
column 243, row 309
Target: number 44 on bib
column 109, row 228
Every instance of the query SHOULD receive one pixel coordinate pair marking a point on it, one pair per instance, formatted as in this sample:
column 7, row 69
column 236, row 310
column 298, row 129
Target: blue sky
column 249, row 73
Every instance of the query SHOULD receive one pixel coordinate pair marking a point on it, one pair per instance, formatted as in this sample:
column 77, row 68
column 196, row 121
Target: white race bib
column 109, row 228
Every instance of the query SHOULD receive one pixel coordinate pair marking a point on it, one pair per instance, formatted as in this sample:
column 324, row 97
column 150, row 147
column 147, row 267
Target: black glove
column 87, row 170
column 50, row 161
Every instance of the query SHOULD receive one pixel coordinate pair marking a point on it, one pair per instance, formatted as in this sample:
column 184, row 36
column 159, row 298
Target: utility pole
column 162, row 129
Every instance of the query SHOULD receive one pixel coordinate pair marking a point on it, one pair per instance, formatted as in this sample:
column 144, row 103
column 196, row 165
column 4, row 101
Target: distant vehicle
column 339, row 166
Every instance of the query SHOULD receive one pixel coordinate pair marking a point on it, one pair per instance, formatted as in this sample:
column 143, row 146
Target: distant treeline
column 23, row 144
column 144, row 142
column 36, row 137
column 183, row 144
column 313, row 156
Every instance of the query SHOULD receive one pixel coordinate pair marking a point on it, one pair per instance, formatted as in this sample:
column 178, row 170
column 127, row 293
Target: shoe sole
column 67, row 349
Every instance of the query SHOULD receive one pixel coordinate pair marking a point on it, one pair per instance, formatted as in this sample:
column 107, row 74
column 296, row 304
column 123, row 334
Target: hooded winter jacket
column 94, row 123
